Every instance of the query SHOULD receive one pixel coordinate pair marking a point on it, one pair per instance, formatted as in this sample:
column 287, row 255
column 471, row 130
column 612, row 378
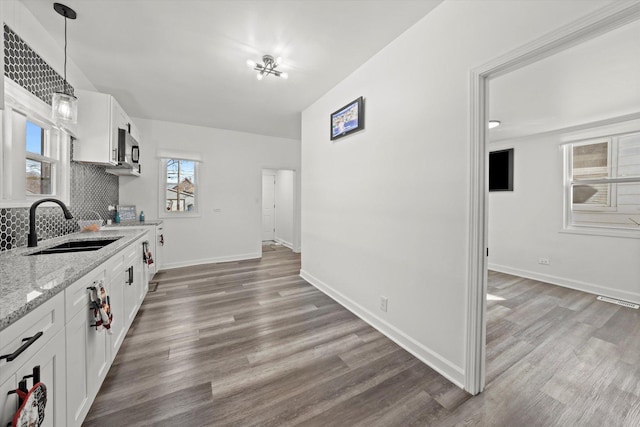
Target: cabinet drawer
column 47, row 318
column 77, row 295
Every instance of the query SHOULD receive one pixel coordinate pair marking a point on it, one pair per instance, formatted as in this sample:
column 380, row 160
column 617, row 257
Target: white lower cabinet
column 88, row 349
column 115, row 287
column 50, row 359
column 58, row 336
column 133, row 282
column 36, row 340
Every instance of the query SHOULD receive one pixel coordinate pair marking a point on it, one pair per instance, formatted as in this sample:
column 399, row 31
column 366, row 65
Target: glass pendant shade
column 64, row 108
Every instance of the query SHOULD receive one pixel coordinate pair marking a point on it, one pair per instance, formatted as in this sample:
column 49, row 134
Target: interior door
column 268, row 207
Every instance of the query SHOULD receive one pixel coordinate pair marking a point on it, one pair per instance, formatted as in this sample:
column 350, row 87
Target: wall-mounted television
column 348, row 119
column 501, row 170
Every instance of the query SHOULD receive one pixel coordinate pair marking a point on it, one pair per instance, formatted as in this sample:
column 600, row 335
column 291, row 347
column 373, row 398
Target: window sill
column 179, row 215
column 603, row 231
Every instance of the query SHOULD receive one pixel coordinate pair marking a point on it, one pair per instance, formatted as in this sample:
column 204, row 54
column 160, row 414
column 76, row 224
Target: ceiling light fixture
column 494, row 124
column 268, row 66
column 64, row 105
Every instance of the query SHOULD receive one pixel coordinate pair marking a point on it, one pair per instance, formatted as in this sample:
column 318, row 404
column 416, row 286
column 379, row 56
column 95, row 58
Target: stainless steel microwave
column 128, row 149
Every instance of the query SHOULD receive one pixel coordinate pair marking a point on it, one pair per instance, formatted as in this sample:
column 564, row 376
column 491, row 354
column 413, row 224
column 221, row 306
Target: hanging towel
column 31, row 412
column 101, row 305
column 147, row 257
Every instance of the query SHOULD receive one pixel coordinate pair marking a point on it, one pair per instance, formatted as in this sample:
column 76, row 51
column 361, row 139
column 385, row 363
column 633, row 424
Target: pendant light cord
column 65, row 56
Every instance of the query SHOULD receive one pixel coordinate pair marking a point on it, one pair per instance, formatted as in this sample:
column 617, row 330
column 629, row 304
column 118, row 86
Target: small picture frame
column 348, row 119
column 127, row 213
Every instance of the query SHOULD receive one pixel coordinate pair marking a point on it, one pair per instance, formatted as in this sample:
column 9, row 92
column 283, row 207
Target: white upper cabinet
column 99, row 118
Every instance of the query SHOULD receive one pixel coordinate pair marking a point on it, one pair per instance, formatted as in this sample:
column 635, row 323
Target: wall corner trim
column 285, row 243
column 443, row 366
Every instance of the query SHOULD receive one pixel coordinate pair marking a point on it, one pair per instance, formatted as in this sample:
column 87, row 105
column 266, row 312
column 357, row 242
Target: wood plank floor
column 251, row 344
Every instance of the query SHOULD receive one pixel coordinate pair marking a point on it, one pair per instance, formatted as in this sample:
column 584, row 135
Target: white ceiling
column 185, row 60
column 593, row 81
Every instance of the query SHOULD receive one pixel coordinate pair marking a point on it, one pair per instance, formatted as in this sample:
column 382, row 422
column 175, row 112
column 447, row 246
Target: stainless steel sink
column 75, row 246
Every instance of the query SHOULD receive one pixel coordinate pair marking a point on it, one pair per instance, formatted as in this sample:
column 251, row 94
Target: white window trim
column 162, row 212
column 21, row 102
column 613, row 132
column 611, row 168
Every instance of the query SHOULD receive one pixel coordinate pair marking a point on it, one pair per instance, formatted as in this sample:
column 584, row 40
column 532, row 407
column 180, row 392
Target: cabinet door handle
column 130, row 270
column 23, row 347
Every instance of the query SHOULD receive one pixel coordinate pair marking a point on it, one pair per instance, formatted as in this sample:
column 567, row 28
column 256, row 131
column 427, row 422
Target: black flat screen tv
column 348, row 119
column 501, row 170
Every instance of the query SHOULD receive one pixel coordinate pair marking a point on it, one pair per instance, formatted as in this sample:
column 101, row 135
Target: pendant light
column 64, row 105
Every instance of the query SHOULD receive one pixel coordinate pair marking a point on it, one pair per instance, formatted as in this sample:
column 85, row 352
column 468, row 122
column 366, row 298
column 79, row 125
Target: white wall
column 386, row 211
column 229, row 227
column 285, row 186
column 526, row 224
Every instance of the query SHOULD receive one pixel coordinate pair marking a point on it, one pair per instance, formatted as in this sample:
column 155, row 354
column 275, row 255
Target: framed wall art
column 348, row 119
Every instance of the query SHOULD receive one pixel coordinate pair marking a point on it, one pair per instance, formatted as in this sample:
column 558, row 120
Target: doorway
column 268, row 205
column 279, row 207
column 602, row 21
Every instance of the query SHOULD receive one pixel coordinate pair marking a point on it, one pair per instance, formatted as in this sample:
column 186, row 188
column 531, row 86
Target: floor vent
column 619, row 302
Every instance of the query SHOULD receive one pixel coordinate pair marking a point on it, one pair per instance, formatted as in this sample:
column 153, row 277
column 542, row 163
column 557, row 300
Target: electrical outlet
column 544, row 261
column 383, row 303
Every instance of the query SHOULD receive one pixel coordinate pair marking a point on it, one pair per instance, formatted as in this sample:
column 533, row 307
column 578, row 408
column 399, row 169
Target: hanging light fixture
column 64, row 105
column 268, row 66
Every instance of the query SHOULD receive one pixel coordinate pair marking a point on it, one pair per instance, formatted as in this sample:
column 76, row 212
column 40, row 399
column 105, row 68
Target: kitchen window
column 40, row 167
column 603, row 183
column 179, row 187
column 35, row 156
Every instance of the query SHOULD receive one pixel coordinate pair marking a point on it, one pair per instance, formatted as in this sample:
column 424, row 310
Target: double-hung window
column 179, row 185
column 40, row 166
column 603, row 182
column 35, row 153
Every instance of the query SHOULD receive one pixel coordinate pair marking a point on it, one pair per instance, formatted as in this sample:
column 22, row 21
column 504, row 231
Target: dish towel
column 31, row 412
column 101, row 305
column 146, row 254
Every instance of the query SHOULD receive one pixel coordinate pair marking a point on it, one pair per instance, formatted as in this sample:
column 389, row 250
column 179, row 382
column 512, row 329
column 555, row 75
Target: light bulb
column 251, row 63
column 284, row 75
column 279, row 60
column 259, row 76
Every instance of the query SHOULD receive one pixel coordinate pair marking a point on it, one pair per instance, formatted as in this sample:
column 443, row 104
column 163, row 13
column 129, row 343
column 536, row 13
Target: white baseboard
column 239, row 257
column 569, row 283
column 453, row 373
column 284, row 243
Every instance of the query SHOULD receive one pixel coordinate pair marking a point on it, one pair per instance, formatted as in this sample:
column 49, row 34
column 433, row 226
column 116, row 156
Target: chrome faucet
column 33, row 236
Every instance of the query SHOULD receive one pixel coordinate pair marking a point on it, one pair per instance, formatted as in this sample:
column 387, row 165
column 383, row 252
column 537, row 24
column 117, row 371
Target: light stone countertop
column 28, row 281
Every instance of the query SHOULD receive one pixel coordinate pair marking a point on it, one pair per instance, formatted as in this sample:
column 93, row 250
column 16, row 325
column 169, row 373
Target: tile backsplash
column 92, row 191
column 92, row 188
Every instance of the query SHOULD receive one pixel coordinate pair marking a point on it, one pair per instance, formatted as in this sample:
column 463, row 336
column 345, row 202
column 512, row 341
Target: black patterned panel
column 25, row 67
